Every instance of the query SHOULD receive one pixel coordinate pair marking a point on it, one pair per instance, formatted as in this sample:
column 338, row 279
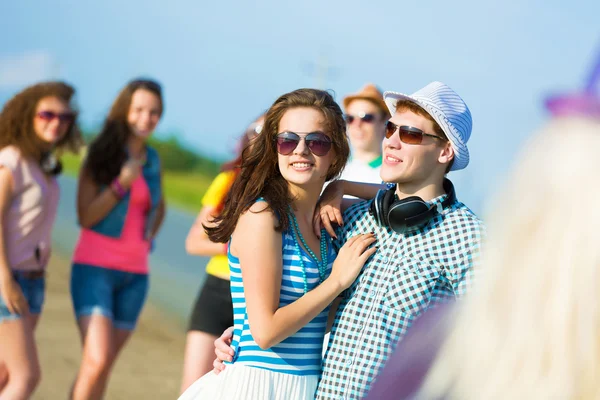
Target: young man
column 429, row 242
column 366, row 116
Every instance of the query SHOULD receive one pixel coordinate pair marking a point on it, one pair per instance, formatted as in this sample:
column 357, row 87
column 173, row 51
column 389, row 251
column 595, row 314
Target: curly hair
column 107, row 153
column 16, row 120
column 260, row 175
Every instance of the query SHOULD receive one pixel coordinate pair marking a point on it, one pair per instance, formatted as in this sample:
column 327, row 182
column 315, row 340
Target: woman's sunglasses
column 318, row 143
column 63, row 118
column 408, row 134
column 368, row 118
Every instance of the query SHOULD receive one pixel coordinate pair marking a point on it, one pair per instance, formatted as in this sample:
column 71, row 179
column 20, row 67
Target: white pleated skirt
column 239, row 382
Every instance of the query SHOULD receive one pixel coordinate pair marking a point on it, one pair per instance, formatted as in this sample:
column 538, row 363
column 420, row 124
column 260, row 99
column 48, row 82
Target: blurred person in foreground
column 213, row 309
column 34, row 124
column 531, row 330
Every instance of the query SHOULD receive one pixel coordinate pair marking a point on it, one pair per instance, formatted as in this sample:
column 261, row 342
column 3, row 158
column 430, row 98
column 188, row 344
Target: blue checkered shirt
column 408, row 274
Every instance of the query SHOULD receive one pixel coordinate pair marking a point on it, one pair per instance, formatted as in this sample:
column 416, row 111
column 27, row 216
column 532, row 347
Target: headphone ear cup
column 408, row 213
column 375, row 208
column 388, row 199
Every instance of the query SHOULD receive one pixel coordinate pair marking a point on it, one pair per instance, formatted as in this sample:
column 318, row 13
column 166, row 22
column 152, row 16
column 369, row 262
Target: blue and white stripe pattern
column 299, row 354
column 450, row 112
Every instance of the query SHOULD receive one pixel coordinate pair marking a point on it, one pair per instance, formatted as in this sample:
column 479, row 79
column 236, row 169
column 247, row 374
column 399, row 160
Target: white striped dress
column 287, row 371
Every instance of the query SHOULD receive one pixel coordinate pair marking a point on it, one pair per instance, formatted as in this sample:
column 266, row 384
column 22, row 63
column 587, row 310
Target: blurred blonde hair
column 532, row 328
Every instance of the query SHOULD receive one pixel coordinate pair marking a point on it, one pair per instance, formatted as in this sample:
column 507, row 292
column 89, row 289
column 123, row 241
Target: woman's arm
column 9, row 289
column 361, row 190
column 258, row 247
column 161, row 211
column 93, row 204
column 334, row 192
column 332, row 202
column 197, row 241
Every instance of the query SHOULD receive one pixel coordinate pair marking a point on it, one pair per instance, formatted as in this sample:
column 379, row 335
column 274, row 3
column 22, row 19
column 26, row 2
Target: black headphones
column 411, row 212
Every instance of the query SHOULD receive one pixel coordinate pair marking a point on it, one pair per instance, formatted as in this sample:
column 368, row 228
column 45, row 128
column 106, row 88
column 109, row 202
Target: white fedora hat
column 450, row 112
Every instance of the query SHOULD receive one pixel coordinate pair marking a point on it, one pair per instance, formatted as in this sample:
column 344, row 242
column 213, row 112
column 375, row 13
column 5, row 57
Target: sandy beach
column 148, row 368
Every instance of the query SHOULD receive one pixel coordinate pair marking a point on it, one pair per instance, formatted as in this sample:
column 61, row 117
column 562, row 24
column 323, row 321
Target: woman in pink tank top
column 120, row 209
column 33, row 124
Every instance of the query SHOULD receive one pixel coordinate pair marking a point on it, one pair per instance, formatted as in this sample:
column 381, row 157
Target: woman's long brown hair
column 260, row 175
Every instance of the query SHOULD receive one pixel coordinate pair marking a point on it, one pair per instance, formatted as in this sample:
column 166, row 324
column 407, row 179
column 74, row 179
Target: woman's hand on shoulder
column 329, row 209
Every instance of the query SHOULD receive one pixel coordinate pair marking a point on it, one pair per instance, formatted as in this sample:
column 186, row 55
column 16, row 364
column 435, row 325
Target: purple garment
column 407, row 367
column 585, row 103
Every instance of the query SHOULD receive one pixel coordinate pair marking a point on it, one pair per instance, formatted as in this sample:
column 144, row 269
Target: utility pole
column 321, row 71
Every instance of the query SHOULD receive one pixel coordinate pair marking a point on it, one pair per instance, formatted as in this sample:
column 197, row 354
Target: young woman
column 120, row 209
column 34, row 124
column 213, row 310
column 282, row 278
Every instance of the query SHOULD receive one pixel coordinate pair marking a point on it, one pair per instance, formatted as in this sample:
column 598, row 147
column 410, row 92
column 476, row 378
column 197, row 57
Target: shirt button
column 386, row 260
column 372, row 293
column 349, row 362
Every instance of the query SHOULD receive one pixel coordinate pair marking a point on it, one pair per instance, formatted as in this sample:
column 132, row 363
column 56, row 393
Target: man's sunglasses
column 368, row 118
column 408, row 134
column 63, row 118
column 318, row 143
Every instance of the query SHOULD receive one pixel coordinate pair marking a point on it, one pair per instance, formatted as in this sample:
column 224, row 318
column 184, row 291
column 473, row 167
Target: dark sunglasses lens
column 286, row 144
column 390, row 128
column 318, row 144
column 411, row 137
column 46, row 115
column 50, row 115
column 349, row 119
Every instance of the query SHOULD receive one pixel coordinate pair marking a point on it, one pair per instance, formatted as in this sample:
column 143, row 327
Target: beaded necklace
column 321, row 264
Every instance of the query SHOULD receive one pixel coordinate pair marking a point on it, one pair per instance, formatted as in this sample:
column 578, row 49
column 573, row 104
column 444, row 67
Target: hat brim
column 461, row 153
column 378, row 101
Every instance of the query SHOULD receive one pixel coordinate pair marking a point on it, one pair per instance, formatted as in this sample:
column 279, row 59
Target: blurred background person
column 366, row 115
column 34, row 124
column 213, row 310
column 120, row 208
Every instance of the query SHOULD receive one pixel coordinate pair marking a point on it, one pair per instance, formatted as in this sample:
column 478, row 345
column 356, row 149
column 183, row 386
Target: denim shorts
column 33, row 289
column 117, row 295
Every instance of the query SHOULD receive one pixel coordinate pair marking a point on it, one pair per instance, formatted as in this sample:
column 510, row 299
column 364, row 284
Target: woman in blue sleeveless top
column 283, row 277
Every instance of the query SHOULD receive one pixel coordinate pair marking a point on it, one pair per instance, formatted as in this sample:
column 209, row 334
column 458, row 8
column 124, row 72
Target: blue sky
column 222, row 63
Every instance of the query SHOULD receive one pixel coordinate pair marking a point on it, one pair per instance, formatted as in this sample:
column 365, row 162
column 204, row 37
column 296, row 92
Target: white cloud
column 26, row 68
